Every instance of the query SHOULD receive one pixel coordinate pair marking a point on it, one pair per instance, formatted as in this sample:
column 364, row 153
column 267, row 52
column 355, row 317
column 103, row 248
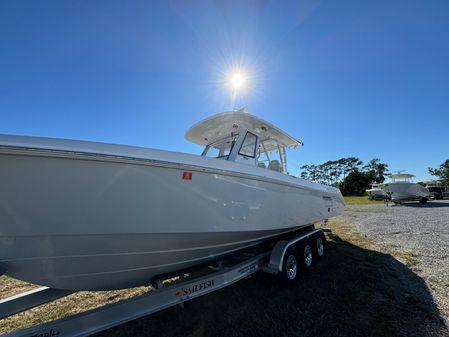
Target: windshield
column 220, row 148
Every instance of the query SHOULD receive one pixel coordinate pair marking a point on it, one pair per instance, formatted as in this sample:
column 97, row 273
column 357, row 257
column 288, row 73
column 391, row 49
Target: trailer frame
column 160, row 298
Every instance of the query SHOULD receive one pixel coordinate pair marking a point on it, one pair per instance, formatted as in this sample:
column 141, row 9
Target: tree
column 350, row 164
column 331, row 172
column 347, row 173
column 356, row 183
column 442, row 172
column 379, row 169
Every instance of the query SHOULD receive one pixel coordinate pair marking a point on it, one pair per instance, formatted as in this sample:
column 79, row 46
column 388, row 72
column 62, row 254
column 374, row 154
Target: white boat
column 376, row 192
column 437, row 190
column 401, row 188
column 83, row 215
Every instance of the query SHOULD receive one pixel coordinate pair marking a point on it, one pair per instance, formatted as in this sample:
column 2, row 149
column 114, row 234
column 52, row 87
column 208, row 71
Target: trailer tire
column 423, row 200
column 306, row 253
column 290, row 267
column 318, row 246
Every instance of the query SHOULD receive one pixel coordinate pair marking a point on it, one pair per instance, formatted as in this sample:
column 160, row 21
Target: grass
column 357, row 290
column 63, row 307
column 356, row 200
column 365, row 210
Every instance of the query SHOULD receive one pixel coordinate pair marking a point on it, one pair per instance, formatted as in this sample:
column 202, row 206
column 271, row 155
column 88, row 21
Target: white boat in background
column 376, row 192
column 402, row 188
column 437, row 190
column 81, row 215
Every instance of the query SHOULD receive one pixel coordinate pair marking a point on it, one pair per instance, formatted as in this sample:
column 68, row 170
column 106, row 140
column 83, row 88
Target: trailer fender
column 278, row 252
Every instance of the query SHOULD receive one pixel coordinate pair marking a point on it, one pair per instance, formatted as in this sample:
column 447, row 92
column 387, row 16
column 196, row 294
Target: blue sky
column 348, row 78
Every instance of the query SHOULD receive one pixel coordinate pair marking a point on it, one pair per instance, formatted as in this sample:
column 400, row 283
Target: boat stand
column 161, row 297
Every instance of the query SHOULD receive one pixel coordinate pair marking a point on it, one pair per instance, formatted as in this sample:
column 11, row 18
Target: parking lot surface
column 419, row 230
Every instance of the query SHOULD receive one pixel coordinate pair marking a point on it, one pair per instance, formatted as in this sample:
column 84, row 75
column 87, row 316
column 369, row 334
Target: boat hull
column 94, row 223
column 376, row 194
column 405, row 191
column 103, row 262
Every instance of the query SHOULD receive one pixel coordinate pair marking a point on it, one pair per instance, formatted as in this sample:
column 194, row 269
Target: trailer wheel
column 318, row 246
column 290, row 267
column 306, row 253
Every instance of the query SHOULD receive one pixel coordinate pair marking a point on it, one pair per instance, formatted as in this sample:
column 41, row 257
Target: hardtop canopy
column 224, row 124
column 400, row 175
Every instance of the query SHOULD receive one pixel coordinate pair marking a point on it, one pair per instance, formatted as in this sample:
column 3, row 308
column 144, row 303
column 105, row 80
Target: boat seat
column 261, row 164
column 275, row 165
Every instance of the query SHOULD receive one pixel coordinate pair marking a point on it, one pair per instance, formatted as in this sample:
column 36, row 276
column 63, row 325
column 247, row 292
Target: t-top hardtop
column 242, row 137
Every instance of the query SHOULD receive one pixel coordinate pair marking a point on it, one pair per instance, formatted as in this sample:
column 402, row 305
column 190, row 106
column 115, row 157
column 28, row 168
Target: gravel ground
column 419, row 230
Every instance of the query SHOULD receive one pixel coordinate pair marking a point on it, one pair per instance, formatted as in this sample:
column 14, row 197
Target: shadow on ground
column 430, row 204
column 352, row 292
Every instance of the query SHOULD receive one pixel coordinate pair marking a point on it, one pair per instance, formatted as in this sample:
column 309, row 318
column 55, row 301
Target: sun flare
column 237, row 81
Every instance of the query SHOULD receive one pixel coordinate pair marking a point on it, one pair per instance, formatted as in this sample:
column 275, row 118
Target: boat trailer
column 272, row 261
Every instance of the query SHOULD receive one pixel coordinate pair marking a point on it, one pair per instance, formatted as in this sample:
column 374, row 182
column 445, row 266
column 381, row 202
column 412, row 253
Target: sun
column 237, row 81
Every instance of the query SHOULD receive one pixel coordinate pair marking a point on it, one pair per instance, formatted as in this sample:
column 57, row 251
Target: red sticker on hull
column 187, row 175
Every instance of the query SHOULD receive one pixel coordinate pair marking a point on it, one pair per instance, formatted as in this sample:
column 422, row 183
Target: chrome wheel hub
column 320, row 246
column 308, row 256
column 291, row 267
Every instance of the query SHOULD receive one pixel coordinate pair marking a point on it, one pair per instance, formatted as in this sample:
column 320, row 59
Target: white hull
column 406, row 191
column 91, row 216
column 376, row 193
